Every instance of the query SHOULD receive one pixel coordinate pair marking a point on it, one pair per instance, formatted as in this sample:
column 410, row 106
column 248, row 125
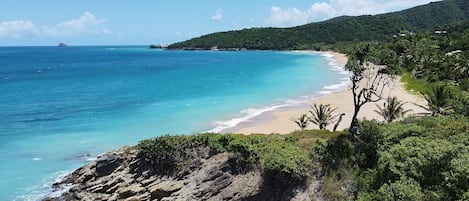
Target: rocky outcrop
column 122, row 175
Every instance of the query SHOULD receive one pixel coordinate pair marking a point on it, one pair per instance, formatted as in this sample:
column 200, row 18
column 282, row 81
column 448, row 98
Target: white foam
column 44, row 189
column 249, row 113
column 337, row 87
column 91, row 159
column 37, row 159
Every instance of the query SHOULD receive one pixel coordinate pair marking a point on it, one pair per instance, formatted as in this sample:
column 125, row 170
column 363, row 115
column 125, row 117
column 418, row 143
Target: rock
column 107, row 163
column 164, row 189
column 122, row 175
column 130, row 191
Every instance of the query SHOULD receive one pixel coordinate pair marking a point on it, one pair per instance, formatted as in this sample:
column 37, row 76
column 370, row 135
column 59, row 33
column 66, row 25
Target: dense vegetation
column 416, row 159
column 276, row 155
column 338, row 31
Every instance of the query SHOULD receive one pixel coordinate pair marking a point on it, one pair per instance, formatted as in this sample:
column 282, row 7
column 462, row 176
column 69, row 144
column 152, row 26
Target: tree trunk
column 354, row 118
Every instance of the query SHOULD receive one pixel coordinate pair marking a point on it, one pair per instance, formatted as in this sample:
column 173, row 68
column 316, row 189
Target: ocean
column 63, row 106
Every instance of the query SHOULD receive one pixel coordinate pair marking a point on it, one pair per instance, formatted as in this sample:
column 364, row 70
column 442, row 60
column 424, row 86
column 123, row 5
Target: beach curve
column 278, row 120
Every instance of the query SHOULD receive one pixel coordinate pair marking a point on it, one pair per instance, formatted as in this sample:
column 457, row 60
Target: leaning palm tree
column 392, row 109
column 321, row 115
column 438, row 100
column 302, row 121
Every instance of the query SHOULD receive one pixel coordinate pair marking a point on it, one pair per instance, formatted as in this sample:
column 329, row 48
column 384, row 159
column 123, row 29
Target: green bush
column 425, row 158
column 275, row 154
column 402, row 190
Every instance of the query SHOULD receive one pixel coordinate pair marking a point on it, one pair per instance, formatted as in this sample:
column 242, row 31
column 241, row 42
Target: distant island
column 62, row 45
column 158, row 46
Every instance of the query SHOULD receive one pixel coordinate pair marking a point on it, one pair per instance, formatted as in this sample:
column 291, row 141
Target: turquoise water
column 61, row 107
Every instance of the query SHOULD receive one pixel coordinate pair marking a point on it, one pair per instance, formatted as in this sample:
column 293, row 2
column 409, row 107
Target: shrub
column 275, row 154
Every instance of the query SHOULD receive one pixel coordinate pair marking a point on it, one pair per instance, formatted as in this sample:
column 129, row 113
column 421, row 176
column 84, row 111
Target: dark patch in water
column 39, row 120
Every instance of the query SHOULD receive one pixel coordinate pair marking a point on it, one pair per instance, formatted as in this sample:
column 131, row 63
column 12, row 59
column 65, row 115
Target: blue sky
column 143, row 22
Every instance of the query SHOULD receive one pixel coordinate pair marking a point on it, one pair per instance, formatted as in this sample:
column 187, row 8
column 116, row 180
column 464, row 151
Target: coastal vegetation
column 276, row 155
column 337, row 33
column 392, row 109
column 302, row 121
column 418, row 158
column 321, row 115
column 415, row 159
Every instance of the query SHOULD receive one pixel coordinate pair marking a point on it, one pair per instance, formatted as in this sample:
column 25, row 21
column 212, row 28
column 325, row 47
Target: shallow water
column 61, row 107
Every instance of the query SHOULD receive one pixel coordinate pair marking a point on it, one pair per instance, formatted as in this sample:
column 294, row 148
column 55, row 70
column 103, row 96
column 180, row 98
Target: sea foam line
column 251, row 113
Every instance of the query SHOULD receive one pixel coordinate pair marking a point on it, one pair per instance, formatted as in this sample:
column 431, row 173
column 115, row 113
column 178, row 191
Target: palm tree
column 438, row 100
column 302, row 121
column 321, row 115
column 392, row 109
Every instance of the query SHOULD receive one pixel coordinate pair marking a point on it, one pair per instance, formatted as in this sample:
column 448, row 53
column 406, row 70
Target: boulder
column 107, row 163
column 164, row 189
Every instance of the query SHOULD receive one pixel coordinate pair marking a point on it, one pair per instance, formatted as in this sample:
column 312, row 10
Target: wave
column 249, row 113
column 44, row 188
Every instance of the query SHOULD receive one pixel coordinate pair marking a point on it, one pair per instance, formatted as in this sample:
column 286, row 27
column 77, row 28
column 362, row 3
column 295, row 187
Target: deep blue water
column 61, row 107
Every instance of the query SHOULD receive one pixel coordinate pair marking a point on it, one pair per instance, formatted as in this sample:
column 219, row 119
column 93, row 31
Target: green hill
column 341, row 29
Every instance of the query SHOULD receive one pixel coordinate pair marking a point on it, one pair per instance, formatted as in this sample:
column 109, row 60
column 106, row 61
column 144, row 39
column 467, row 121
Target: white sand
column 279, row 121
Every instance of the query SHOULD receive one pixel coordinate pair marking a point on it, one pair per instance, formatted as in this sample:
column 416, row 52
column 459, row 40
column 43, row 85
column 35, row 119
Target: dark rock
column 107, row 163
column 121, row 175
column 164, row 189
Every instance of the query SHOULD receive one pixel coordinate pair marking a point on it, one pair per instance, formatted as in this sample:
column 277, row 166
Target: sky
column 144, row 22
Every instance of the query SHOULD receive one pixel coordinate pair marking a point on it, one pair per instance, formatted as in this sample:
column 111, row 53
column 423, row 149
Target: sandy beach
column 278, row 121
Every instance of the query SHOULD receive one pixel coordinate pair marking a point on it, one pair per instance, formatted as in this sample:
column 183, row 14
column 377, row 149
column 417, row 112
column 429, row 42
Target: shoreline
column 278, row 119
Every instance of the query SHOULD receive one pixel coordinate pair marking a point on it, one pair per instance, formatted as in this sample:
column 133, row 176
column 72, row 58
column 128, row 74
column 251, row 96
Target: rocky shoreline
column 123, row 175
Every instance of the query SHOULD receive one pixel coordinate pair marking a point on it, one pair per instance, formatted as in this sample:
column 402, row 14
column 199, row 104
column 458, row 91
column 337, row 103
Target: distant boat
column 62, row 45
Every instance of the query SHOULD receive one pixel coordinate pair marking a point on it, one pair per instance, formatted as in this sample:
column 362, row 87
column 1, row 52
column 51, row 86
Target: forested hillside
column 346, row 29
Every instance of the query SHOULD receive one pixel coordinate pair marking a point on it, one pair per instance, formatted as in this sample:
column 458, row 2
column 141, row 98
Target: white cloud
column 289, row 17
column 318, row 11
column 17, row 29
column 218, row 15
column 86, row 24
column 179, row 34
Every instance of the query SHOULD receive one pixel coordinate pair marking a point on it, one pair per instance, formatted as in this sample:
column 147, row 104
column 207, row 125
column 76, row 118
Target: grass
column 307, row 138
column 414, row 85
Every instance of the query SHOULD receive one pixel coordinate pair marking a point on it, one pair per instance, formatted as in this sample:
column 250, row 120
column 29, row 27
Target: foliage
column 422, row 158
column 438, row 100
column 425, row 158
column 275, row 154
column 413, row 84
column 368, row 80
column 321, row 115
column 392, row 109
column 302, row 121
column 404, row 189
column 336, row 32
column 167, row 153
column 460, row 102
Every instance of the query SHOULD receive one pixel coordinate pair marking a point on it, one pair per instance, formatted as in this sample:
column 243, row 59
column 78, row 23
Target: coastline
column 278, row 120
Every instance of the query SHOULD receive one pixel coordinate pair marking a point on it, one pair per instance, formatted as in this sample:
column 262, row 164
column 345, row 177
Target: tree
column 338, row 122
column 438, row 99
column 321, row 115
column 302, row 121
column 368, row 80
column 392, row 109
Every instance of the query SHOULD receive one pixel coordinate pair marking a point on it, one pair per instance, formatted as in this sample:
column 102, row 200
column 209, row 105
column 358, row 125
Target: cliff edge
column 125, row 175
